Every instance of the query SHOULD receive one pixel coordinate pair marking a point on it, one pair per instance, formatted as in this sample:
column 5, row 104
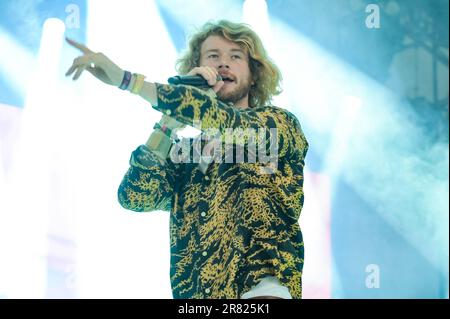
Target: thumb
column 216, row 88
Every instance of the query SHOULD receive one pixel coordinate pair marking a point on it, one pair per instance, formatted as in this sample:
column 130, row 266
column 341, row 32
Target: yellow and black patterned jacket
column 233, row 225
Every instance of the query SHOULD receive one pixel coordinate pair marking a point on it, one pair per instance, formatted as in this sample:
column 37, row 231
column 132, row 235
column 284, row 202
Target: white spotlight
column 255, row 13
column 30, row 175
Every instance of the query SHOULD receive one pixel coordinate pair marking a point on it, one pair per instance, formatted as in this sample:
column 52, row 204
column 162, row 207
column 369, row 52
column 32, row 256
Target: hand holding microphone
column 160, row 141
column 163, row 136
column 202, row 77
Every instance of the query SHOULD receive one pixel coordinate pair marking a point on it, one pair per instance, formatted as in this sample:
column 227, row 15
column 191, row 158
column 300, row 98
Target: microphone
column 193, row 80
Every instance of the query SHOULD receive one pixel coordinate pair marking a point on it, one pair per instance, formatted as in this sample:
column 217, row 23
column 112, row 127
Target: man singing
column 234, row 230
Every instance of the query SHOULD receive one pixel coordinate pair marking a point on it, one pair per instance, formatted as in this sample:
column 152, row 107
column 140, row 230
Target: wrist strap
column 125, row 81
column 166, row 130
column 138, row 83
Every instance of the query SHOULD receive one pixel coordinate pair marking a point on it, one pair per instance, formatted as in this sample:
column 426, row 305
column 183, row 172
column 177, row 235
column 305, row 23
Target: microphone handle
column 194, row 80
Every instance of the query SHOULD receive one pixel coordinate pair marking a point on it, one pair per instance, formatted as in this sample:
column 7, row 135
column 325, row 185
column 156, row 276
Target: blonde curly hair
column 265, row 73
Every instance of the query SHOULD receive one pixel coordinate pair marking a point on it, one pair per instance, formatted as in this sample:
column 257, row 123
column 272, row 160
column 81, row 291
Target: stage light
column 16, row 63
column 31, row 174
column 254, row 13
column 127, row 266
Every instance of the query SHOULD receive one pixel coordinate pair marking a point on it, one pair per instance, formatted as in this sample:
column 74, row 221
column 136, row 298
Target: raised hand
column 97, row 64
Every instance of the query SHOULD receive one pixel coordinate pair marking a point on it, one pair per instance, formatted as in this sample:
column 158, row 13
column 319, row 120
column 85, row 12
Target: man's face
column 232, row 63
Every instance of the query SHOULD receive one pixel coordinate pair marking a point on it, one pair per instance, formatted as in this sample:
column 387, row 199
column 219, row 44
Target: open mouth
column 227, row 80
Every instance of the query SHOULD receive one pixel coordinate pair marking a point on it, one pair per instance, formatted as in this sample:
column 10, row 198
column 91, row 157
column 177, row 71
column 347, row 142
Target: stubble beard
column 236, row 95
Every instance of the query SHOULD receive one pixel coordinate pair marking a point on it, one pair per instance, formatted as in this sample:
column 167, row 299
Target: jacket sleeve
column 193, row 106
column 147, row 185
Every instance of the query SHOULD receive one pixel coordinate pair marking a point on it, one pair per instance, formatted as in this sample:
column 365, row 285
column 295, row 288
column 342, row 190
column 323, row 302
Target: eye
column 236, row 56
column 213, row 56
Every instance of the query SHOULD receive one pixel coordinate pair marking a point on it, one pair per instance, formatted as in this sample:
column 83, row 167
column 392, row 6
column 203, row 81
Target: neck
column 242, row 103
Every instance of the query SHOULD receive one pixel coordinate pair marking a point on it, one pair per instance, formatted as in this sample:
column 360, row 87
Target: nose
column 223, row 63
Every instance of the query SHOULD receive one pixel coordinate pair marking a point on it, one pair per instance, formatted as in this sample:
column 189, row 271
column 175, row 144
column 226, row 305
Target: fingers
column 79, row 46
column 73, row 67
column 216, row 88
column 212, row 76
column 208, row 73
column 79, row 65
column 80, row 70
